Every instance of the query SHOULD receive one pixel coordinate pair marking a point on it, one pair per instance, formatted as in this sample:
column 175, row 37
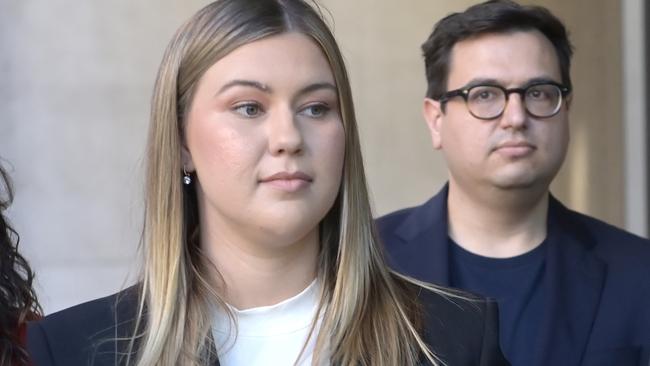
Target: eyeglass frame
column 464, row 92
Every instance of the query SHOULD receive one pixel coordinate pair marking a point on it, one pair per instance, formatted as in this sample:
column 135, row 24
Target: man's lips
column 287, row 181
column 515, row 148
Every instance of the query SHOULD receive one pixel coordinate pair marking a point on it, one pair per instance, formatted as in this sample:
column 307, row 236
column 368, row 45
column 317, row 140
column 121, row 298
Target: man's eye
column 248, row 110
column 316, row 110
column 537, row 94
column 483, row 95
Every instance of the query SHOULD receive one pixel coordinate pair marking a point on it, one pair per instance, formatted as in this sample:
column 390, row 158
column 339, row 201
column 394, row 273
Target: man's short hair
column 494, row 16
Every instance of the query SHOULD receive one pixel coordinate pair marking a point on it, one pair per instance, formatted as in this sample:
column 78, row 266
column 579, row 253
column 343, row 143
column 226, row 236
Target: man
column 571, row 290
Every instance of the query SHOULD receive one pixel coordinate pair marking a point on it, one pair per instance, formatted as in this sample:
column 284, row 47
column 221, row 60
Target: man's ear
column 432, row 111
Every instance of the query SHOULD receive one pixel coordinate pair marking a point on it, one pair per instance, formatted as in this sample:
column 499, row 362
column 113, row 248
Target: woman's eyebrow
column 317, row 86
column 267, row 89
column 247, row 83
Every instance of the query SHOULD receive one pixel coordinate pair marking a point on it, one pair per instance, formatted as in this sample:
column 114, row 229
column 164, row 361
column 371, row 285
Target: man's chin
column 521, row 182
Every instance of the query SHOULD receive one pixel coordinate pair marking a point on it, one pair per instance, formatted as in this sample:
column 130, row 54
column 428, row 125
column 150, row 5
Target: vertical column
column 635, row 106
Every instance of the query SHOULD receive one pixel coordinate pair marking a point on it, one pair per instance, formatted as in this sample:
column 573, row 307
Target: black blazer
column 597, row 309
column 460, row 332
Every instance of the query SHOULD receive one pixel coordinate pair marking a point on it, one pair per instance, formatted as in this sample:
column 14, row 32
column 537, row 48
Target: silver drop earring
column 187, row 179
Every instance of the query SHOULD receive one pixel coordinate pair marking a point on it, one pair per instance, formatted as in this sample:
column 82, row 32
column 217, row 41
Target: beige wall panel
column 76, row 79
column 381, row 43
column 591, row 180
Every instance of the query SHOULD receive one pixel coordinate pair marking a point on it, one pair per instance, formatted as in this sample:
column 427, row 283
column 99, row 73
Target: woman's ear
column 186, row 159
column 432, row 112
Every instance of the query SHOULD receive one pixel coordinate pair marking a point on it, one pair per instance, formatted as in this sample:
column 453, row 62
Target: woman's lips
column 287, row 182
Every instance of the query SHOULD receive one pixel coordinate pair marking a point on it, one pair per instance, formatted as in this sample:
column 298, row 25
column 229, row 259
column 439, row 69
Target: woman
column 259, row 247
column 18, row 302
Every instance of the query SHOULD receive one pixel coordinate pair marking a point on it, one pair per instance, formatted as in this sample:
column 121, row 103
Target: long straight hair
column 371, row 315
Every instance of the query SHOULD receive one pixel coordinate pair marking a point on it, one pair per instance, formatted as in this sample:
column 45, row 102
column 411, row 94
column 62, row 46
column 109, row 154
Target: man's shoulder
column 393, row 219
column 415, row 218
column 627, row 255
column 607, row 237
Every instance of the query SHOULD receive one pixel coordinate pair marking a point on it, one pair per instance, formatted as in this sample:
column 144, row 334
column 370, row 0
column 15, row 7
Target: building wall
column 592, row 179
column 76, row 82
column 77, row 78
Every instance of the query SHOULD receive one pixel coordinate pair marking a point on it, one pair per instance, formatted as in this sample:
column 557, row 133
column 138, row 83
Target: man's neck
column 499, row 223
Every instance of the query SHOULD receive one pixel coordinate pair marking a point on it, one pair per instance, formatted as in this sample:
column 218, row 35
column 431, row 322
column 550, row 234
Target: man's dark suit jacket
column 597, row 308
column 461, row 332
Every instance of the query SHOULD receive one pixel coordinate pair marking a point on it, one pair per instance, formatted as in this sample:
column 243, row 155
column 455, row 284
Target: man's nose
column 514, row 115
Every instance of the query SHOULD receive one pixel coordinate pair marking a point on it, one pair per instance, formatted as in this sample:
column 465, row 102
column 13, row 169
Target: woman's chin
column 287, row 232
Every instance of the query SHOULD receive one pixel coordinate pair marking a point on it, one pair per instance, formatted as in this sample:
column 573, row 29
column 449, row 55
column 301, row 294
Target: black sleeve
column 37, row 346
column 491, row 352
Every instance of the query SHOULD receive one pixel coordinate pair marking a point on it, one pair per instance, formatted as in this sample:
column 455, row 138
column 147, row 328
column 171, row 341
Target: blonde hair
column 371, row 315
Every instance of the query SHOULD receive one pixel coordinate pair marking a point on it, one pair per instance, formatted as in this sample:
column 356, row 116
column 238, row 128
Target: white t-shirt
column 269, row 335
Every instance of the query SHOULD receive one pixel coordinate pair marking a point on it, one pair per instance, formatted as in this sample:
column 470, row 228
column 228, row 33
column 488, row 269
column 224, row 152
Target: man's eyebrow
column 480, row 81
column 489, row 81
column 247, row 83
column 539, row 80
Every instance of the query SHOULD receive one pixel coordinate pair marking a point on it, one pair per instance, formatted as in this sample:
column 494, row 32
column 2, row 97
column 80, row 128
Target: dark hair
column 494, row 16
column 18, row 302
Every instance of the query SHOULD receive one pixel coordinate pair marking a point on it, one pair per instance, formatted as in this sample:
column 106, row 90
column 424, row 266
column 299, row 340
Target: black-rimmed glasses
column 542, row 100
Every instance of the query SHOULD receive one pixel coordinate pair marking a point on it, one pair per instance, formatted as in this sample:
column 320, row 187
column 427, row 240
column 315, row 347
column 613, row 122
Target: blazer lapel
column 425, row 248
column 574, row 280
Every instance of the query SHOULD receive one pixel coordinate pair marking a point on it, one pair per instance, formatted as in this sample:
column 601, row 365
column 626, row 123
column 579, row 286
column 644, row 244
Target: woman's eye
column 248, row 110
column 316, row 110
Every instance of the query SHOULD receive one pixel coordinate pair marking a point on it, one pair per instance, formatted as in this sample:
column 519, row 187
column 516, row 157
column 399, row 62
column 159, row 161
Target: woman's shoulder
column 74, row 335
column 95, row 313
column 460, row 327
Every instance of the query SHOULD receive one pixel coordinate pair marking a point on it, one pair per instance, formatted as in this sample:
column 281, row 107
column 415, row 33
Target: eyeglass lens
column 487, row 102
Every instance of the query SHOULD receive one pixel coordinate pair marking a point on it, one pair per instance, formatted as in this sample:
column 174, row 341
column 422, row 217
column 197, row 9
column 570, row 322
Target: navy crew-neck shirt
column 516, row 284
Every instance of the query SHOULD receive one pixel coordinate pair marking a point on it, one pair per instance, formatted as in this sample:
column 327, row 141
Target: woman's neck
column 261, row 274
